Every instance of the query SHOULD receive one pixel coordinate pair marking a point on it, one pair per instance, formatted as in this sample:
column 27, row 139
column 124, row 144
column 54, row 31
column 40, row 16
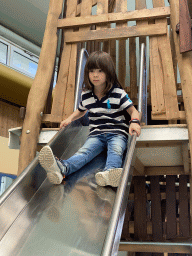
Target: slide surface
column 38, row 218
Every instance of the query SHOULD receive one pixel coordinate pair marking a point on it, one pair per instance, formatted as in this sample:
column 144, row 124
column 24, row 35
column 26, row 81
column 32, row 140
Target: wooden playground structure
column 168, row 30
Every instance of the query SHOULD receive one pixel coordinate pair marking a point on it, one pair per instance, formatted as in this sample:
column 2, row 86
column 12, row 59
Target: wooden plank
column 182, row 116
column 173, row 53
column 184, row 225
column 171, row 207
column 147, row 14
column 140, row 215
column 161, row 170
column 121, row 7
column 169, row 86
column 133, row 68
column 70, row 90
column 185, row 154
column 125, row 232
column 62, row 81
column 156, row 209
column 157, row 96
column 141, row 5
column 185, row 33
column 102, row 7
column 116, row 33
column 86, row 9
column 78, row 10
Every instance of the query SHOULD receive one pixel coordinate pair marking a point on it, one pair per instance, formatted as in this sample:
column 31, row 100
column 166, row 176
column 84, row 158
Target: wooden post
column 40, row 87
column 185, row 33
column 185, row 67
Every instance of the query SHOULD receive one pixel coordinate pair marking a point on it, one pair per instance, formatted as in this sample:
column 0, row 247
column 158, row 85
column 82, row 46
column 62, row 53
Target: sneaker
column 109, row 178
column 51, row 164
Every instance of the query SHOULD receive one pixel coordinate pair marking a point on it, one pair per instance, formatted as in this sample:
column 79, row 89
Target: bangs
column 95, row 63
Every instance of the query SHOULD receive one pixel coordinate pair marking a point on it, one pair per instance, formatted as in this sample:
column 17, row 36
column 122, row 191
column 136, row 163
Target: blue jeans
column 115, row 144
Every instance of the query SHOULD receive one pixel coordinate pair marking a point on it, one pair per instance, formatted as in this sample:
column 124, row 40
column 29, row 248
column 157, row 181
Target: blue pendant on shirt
column 108, row 104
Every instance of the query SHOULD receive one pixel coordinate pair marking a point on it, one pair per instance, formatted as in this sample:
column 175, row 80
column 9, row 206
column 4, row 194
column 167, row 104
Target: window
column 3, row 52
column 19, row 59
column 22, row 61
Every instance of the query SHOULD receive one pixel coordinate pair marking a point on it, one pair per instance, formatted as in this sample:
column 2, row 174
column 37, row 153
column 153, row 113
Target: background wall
column 8, row 157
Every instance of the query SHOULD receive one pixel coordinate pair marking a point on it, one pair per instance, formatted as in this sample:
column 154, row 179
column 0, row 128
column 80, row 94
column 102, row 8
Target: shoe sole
column 100, row 180
column 115, row 176
column 47, row 160
column 54, row 178
column 113, row 179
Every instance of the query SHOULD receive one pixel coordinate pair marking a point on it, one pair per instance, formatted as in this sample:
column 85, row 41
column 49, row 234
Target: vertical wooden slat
column 62, row 82
column 157, row 96
column 112, row 43
column 169, row 85
column 157, row 225
column 125, row 232
column 171, row 207
column 102, row 7
column 139, row 5
column 140, row 215
column 86, row 9
column 183, row 207
column 173, row 52
column 133, row 68
column 70, row 90
column 121, row 6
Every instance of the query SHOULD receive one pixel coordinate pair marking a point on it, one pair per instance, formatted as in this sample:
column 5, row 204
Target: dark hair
column 100, row 60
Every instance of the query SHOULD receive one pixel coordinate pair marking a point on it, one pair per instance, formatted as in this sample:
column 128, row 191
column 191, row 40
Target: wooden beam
column 38, row 94
column 182, row 116
column 185, row 33
column 116, row 33
column 144, row 14
column 164, row 170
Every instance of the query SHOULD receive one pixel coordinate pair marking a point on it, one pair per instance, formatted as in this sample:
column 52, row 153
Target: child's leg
column 56, row 168
column 92, row 147
column 116, row 146
column 112, row 172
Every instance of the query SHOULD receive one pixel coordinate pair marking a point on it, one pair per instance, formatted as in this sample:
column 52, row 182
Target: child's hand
column 65, row 122
column 134, row 127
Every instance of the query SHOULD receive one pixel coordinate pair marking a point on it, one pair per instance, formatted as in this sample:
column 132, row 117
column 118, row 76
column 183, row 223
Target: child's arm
column 134, row 127
column 74, row 116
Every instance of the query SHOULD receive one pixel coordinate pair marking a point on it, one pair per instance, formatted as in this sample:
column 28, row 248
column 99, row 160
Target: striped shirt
column 106, row 115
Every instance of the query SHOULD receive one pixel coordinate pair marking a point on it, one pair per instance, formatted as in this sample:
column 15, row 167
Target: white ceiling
column 26, row 18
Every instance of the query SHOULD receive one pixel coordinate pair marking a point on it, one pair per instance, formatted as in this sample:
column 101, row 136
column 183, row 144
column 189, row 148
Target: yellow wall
column 14, row 86
column 8, row 158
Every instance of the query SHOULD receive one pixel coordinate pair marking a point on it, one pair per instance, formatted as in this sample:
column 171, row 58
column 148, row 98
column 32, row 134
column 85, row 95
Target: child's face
column 97, row 77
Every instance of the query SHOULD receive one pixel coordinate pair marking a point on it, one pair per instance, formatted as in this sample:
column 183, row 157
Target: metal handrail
column 113, row 235
column 80, row 75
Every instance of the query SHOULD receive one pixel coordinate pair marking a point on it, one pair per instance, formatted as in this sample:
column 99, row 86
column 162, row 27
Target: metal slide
column 74, row 218
column 38, row 218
